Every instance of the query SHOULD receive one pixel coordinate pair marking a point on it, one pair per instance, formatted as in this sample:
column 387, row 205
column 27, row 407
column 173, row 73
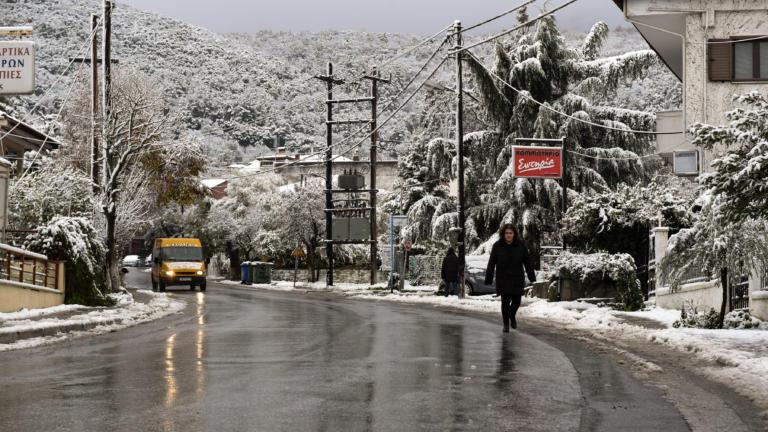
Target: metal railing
column 693, row 275
column 738, row 290
column 19, row 265
column 764, row 280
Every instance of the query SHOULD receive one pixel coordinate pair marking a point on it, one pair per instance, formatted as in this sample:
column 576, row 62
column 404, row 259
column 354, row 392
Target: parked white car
column 131, row 261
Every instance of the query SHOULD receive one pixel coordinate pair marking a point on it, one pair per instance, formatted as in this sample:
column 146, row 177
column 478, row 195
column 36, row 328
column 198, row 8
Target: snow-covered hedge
column 75, row 241
column 597, row 268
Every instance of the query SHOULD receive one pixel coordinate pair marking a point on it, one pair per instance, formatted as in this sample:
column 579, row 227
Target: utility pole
column 94, row 61
column 460, row 152
column 374, row 78
column 95, row 152
column 107, row 70
column 329, row 82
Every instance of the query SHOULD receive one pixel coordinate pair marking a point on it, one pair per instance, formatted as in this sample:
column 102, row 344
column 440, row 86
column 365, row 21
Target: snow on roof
column 212, row 183
column 321, row 158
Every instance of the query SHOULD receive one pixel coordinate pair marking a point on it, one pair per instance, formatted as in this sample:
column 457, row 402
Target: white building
column 714, row 48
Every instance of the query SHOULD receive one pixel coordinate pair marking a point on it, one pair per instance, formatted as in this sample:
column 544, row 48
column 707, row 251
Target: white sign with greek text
column 17, row 67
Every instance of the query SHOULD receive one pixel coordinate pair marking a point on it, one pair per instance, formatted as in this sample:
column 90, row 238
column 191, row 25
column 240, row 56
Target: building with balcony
column 717, row 48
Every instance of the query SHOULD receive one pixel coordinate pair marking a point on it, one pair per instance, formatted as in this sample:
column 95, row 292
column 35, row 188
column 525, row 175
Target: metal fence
column 693, row 275
column 738, row 292
column 764, row 279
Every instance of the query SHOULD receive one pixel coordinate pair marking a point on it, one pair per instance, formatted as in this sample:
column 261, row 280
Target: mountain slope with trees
column 240, row 91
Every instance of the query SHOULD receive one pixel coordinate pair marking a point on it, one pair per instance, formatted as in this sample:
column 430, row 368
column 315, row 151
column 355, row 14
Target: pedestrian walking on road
column 450, row 273
column 511, row 262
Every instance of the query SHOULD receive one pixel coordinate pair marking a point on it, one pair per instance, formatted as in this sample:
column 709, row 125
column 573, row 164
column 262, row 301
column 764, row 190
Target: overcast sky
column 396, row 16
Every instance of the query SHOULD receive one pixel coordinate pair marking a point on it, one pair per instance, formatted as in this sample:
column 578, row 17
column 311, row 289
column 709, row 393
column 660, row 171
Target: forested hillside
column 237, row 91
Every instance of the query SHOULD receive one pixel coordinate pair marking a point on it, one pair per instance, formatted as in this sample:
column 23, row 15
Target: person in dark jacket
column 511, row 263
column 450, row 273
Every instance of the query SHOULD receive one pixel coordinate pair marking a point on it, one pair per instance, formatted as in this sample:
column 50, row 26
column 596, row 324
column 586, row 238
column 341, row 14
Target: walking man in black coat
column 450, row 273
column 511, row 262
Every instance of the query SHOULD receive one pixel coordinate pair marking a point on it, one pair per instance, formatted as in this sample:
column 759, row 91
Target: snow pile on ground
column 32, row 313
column 126, row 313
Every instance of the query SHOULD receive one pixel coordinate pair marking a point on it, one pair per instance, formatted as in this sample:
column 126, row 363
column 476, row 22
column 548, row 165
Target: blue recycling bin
column 245, row 278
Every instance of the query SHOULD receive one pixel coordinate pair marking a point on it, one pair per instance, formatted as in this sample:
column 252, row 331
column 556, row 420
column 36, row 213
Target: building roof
column 19, row 137
column 212, row 183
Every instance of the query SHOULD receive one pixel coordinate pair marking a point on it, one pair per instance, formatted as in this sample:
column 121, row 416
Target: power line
column 355, row 145
column 637, row 157
column 51, row 87
column 349, row 137
column 411, row 49
column 548, row 107
column 501, row 15
column 58, row 115
column 506, row 32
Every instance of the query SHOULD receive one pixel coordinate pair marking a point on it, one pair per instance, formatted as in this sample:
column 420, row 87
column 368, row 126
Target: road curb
column 13, row 337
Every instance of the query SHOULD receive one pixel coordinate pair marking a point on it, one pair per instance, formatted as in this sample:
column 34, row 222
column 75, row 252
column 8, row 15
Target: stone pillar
column 660, row 241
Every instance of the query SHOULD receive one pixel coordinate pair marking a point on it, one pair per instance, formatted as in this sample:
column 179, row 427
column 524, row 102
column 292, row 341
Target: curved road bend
column 239, row 359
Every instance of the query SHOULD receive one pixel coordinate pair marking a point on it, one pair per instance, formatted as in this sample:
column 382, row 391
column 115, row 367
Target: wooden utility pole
column 329, row 82
column 460, row 152
column 107, row 86
column 95, row 152
column 374, row 78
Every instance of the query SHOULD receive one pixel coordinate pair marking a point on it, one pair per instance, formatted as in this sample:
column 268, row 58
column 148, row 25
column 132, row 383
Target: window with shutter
column 720, row 66
column 750, row 59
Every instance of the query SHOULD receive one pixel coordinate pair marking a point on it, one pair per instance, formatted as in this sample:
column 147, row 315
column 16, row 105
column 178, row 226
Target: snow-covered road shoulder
column 27, row 329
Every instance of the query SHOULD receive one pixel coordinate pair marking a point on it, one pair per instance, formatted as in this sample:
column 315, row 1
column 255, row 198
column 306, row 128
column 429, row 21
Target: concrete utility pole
column 107, row 70
column 460, row 152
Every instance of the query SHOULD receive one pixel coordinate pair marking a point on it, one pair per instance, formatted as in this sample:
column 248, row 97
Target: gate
column 738, row 292
column 647, row 272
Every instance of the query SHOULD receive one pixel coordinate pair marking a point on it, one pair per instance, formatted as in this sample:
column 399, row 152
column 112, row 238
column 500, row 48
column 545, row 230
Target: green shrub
column 75, row 241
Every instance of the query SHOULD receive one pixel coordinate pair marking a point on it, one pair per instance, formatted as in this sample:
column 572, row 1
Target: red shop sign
column 538, row 162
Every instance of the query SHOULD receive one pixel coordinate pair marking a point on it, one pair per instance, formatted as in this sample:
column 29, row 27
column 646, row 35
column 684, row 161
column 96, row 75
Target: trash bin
column 261, row 272
column 245, row 277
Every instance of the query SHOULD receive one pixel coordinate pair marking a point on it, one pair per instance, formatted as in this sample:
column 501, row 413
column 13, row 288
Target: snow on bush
column 740, row 319
column 75, row 241
column 593, row 269
column 690, row 317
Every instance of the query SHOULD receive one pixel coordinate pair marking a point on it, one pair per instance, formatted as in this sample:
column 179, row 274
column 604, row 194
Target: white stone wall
column 703, row 295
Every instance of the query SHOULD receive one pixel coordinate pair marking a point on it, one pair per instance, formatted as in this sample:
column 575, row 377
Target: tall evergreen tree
column 535, row 78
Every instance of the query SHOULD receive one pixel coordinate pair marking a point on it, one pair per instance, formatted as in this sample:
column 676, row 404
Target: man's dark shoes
column 514, row 323
column 506, row 328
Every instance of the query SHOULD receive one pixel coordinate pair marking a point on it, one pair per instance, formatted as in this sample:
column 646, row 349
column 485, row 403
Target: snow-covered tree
column 740, row 173
column 54, row 189
column 132, row 139
column 76, row 242
column 716, row 246
column 304, row 221
column 540, row 78
column 620, row 220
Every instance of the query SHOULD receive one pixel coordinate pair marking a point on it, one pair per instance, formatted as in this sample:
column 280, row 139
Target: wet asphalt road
column 240, row 359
